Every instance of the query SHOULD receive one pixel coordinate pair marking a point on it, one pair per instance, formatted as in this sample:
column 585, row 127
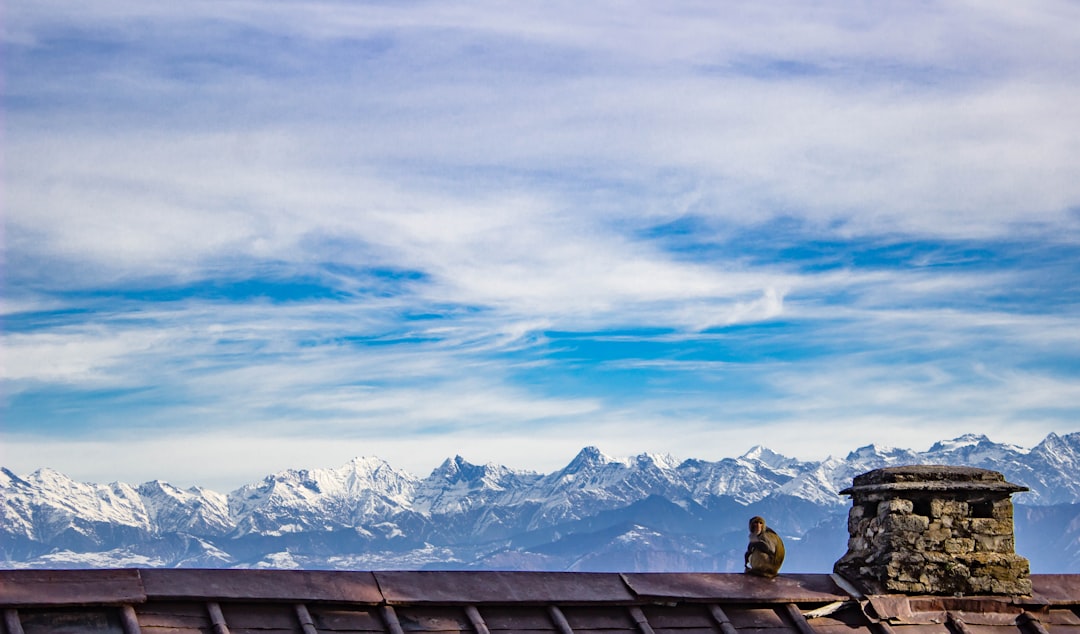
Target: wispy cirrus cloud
column 427, row 229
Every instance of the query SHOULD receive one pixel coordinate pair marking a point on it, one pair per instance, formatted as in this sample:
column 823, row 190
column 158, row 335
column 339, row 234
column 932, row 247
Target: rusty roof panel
column 971, row 628
column 343, row 620
column 728, row 587
column 989, row 617
column 280, row 602
column 531, row 618
column 927, row 617
column 262, row 585
column 501, row 587
column 434, row 619
column 1060, row 617
column 891, row 606
column 849, row 620
column 174, row 616
column 71, row 621
column 1056, row 589
column 607, row 618
column 333, row 619
column 977, row 604
column 832, row 627
column 70, row 587
column 273, row 617
column 754, row 618
column 686, row 618
column 682, row 616
column 775, row 630
column 920, row 628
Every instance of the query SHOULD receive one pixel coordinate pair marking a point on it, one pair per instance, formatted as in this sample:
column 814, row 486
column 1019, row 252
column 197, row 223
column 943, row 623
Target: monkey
column 765, row 552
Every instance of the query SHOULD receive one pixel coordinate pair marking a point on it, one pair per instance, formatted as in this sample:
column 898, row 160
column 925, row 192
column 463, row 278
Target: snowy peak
column 366, row 505
column 358, row 476
column 967, row 440
column 588, row 458
column 974, row 450
column 768, row 458
column 1062, row 450
column 321, row 499
column 194, row 511
column 656, row 461
column 9, row 479
column 974, row 444
column 883, row 456
column 458, row 486
column 366, row 474
column 457, row 469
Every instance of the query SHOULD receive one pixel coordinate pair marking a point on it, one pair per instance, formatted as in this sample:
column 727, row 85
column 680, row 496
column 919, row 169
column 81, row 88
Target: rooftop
column 189, row 601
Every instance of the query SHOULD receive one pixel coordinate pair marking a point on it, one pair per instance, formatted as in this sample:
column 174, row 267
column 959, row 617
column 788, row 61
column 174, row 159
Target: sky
column 241, row 237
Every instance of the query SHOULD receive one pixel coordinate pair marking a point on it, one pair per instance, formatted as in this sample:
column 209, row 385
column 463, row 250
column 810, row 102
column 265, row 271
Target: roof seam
column 12, row 622
column 390, row 619
column 559, row 619
column 798, row 619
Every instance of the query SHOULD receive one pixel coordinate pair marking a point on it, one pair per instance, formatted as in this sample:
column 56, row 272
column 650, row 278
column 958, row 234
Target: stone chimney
column 932, row 529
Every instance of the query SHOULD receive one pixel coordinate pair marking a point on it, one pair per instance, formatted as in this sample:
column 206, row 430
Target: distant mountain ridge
column 646, row 512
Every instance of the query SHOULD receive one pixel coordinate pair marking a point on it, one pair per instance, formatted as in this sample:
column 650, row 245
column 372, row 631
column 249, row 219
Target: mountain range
column 644, row 513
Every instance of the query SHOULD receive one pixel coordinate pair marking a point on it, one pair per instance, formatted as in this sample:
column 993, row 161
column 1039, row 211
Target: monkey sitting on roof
column 765, row 552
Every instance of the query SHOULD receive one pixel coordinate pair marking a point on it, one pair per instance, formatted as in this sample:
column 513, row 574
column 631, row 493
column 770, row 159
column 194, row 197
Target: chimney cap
column 931, row 478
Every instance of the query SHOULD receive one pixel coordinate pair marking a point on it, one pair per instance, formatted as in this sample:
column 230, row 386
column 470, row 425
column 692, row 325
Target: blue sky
column 247, row 236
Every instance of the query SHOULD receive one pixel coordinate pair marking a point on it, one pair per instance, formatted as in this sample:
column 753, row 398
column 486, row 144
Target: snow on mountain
column 58, row 504
column 367, row 511
column 458, row 486
column 194, row 511
column 1050, row 469
column 975, row 449
column 595, row 482
column 362, row 491
column 822, row 484
column 9, row 479
column 883, row 457
column 16, row 512
column 769, row 458
column 745, row 481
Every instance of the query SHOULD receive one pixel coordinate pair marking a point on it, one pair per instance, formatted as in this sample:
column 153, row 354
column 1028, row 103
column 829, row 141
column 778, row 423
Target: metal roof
column 191, row 601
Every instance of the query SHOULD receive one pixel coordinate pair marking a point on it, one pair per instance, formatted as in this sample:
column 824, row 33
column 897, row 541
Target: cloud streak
column 431, row 230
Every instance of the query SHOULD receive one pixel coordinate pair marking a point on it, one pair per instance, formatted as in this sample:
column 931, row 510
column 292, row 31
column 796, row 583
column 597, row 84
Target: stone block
column 955, row 508
column 938, row 558
column 902, row 523
column 959, row 545
column 936, row 533
column 1003, row 510
column 990, row 526
column 896, row 505
column 995, row 543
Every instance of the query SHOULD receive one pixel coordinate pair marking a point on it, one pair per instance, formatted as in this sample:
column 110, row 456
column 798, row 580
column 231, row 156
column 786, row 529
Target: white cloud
column 90, row 356
column 871, row 150
column 518, row 163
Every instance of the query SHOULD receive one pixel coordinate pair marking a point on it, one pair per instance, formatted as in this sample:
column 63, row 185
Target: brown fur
column 765, row 550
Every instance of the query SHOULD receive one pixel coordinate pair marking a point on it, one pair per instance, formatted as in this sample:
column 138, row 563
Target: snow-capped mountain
column 457, row 486
column 647, row 512
column 362, row 492
column 196, row 511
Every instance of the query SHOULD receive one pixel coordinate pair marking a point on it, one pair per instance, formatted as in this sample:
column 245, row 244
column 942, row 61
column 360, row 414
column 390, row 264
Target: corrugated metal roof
column 155, row 601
